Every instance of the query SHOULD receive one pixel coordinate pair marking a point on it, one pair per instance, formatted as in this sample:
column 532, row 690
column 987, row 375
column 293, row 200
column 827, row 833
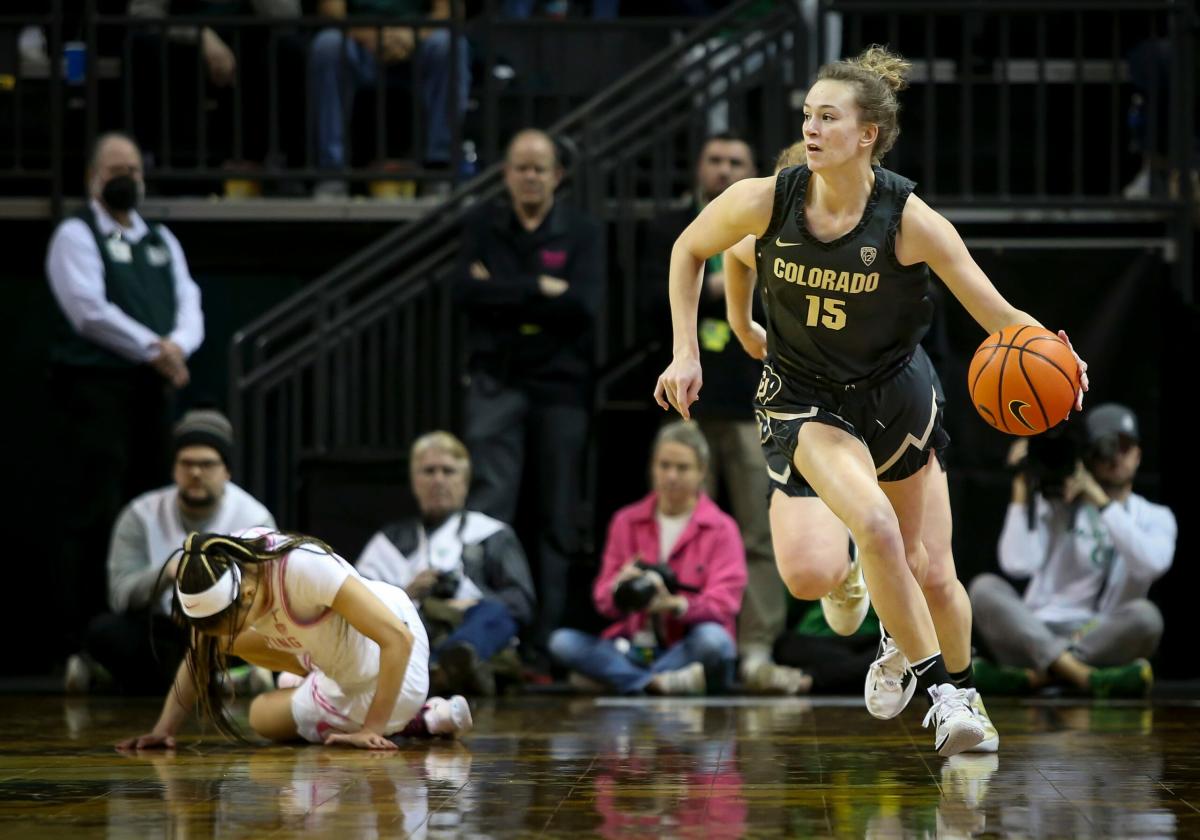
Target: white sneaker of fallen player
column 448, row 717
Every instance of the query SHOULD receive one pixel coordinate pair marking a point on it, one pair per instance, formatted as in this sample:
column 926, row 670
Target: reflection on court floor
column 613, row 767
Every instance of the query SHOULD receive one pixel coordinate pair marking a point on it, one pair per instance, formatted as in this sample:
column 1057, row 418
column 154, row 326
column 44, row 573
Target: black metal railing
column 1030, row 99
column 149, row 77
column 370, row 354
column 261, row 125
column 32, row 101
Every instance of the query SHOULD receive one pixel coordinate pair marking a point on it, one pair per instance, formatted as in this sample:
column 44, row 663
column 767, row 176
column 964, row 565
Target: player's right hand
column 679, row 386
column 754, row 340
column 149, row 741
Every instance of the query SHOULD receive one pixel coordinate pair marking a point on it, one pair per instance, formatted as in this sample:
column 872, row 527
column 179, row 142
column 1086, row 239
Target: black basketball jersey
column 844, row 311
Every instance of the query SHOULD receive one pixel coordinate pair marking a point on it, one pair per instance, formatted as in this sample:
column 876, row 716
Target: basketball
column 1023, row 380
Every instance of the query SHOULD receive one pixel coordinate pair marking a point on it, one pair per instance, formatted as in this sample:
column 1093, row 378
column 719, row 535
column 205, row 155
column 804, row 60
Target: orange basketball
column 1023, row 380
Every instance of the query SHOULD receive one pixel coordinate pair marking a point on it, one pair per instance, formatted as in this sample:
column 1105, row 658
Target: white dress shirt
column 76, row 272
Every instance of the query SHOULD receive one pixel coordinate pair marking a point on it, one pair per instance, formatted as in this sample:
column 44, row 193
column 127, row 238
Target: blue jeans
column 707, row 643
column 521, row 9
column 488, row 627
column 339, row 66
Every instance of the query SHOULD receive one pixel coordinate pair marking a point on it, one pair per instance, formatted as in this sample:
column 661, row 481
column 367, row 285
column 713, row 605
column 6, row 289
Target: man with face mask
column 1091, row 551
column 147, row 532
column 128, row 317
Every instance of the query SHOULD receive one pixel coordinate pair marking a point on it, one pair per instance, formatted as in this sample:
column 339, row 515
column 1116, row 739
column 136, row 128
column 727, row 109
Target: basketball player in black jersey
column 811, row 543
column 843, row 251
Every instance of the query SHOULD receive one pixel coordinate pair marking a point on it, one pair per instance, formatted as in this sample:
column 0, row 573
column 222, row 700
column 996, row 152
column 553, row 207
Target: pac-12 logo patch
column 867, row 252
column 768, row 386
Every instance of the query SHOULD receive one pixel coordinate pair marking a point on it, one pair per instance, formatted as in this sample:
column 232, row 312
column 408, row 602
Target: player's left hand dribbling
column 1083, row 377
column 363, row 739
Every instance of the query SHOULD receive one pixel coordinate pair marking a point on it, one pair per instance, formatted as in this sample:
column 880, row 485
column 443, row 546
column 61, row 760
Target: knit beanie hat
column 206, row 427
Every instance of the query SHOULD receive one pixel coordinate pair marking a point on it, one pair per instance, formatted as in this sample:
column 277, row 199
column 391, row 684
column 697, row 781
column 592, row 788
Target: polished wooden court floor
column 552, row 766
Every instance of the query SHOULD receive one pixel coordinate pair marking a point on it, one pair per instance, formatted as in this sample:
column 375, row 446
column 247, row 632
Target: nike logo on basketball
column 779, row 241
column 1015, row 407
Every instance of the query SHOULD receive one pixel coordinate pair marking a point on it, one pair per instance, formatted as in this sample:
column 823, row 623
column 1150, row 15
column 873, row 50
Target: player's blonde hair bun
column 876, row 74
column 885, row 64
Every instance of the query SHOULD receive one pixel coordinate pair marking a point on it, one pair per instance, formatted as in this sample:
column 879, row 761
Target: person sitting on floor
column 673, row 575
column 466, row 571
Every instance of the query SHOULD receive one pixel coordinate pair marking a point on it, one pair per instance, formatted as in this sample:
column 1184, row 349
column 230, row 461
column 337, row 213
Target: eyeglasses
column 204, row 465
column 445, row 471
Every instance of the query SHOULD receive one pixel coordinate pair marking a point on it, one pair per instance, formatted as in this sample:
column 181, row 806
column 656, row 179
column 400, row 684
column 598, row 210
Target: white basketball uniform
column 343, row 664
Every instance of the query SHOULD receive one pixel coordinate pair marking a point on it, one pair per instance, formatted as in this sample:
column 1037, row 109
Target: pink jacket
column 708, row 555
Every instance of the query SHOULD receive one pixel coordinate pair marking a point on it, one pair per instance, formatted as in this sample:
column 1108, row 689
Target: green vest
column 138, row 278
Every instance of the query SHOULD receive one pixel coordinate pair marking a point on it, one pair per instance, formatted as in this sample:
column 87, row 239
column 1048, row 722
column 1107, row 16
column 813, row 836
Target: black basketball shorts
column 898, row 420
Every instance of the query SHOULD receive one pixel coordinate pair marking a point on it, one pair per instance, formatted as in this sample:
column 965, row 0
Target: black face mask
column 121, row 193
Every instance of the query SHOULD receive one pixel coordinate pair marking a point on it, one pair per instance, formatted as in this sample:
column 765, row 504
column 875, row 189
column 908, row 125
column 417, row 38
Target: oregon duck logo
column 768, row 386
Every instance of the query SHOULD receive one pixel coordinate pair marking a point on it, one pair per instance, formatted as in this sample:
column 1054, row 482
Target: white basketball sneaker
column 846, row 607
column 991, row 738
column 957, row 727
column 451, row 718
column 891, row 683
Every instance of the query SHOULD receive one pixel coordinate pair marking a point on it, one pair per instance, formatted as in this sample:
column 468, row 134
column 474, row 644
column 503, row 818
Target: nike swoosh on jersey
column 783, row 244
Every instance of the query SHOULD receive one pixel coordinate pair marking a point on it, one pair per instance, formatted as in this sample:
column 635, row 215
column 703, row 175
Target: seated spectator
column 522, row 9
column 137, row 643
column 1092, row 548
column 667, row 639
column 229, row 57
column 338, row 65
column 465, row 571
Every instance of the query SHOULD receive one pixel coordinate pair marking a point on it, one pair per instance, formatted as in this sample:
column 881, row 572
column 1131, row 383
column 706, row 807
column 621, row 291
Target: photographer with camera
column 1092, row 547
column 465, row 571
column 673, row 575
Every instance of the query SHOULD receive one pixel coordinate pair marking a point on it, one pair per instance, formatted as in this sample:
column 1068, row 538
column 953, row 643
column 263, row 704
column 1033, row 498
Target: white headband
column 214, row 599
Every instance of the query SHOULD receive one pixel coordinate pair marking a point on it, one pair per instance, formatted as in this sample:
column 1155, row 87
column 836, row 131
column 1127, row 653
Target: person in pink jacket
column 673, row 575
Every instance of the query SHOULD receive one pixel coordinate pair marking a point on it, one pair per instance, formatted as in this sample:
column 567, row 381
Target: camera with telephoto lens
column 635, row 594
column 1050, row 461
column 446, row 585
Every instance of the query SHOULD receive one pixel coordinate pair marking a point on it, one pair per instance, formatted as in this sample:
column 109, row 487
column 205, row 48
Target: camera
column 635, row 594
column 1050, row 461
column 446, row 585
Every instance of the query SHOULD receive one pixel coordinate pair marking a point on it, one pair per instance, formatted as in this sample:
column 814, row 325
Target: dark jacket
column 481, row 548
column 516, row 334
